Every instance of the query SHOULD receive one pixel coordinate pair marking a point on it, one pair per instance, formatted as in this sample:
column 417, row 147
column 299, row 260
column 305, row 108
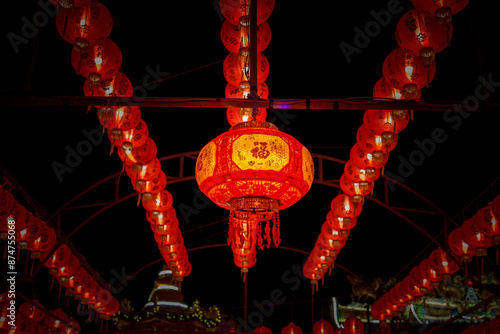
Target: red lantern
column 141, row 154
column 262, row 330
column 459, row 246
column 420, row 282
column 119, row 85
column 382, row 121
column 366, row 159
column 384, row 90
column 58, row 259
column 430, row 272
column 495, row 208
column 255, row 170
column 68, row 270
column 7, row 202
column 91, row 22
column 344, row 206
column 43, row 243
column 134, row 137
column 291, row 328
column 488, row 224
column 357, row 189
column 243, row 89
column 407, row 72
column 236, row 67
column 329, row 233
column 474, row 237
column 28, row 232
column 147, row 171
column 152, row 186
column 340, row 223
column 31, row 311
column 119, row 119
column 369, row 141
column 102, row 61
column 234, row 10
column 442, row 262
column 358, row 174
column 322, row 327
column 57, row 319
column 353, row 325
column 161, row 217
column 423, row 34
column 72, row 327
column 443, row 9
column 238, row 115
column 159, row 202
column 236, row 36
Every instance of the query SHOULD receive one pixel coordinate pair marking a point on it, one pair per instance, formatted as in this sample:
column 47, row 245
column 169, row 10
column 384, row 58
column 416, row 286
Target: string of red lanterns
column 87, row 25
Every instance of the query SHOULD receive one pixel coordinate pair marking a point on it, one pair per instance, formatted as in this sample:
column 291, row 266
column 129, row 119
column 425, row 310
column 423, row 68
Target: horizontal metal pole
column 194, row 102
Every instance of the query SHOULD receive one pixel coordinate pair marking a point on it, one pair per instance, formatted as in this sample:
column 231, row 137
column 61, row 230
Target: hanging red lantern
column 31, row 311
column 366, row 159
column 291, row 328
column 102, row 61
column 7, row 202
column 262, row 330
column 344, row 206
column 419, row 281
column 238, row 115
column 59, row 258
column 140, row 154
column 488, row 224
column 134, row 137
column 321, row 256
column 443, row 9
column 159, row 202
column 43, row 243
column 382, row 121
column 353, row 325
column 474, row 237
column 458, row 245
column 340, row 223
column 430, row 272
column 243, row 89
column 358, row 174
column 407, row 72
column 236, row 67
column 19, row 215
column 369, row 141
column 234, row 10
column 158, row 218
column 119, row 85
column 236, row 36
column 357, row 189
column 57, row 319
column 384, row 90
column 329, row 233
column 72, row 327
column 147, row 171
column 165, row 229
column 119, row 119
column 183, row 271
column 68, row 270
column 322, row 327
column 254, row 170
column 28, row 231
column 91, row 22
column 442, row 262
column 151, row 186
column 406, row 291
column 423, row 34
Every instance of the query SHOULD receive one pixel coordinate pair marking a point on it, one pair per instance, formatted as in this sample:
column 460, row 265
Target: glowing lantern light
column 236, row 67
column 442, row 262
column 384, row 90
column 383, row 121
column 423, row 34
column 151, row 186
column 31, row 232
column 474, row 237
column 147, row 171
column 236, row 36
column 140, row 154
column 119, row 85
column 357, row 189
column 340, row 223
column 353, row 325
column 369, row 141
column 291, row 328
column 254, row 170
column 159, row 218
column 134, row 137
column 459, row 246
column 102, row 61
column 429, row 271
column 344, row 206
column 238, row 115
column 487, row 224
column 31, row 311
column 91, row 22
column 234, row 10
column 57, row 319
column 43, row 243
column 420, row 283
column 358, row 174
column 72, row 327
column 58, row 259
column 407, row 72
column 157, row 203
column 366, row 159
column 119, row 119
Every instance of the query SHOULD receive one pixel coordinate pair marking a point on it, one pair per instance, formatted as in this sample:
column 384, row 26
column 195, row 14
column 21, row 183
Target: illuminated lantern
column 474, row 237
column 162, row 217
column 357, row 189
column 134, row 137
column 334, row 243
column 322, row 327
column 321, row 255
column 183, row 271
column 254, row 170
column 443, row 9
column 421, row 284
column 146, row 171
column 31, row 311
column 423, row 34
column 406, row 291
column 384, row 90
column 366, row 159
column 91, row 22
column 110, row 309
column 238, row 115
column 58, row 259
column 407, row 72
column 262, row 330
column 140, row 154
column 236, row 67
column 56, row 320
column 152, row 186
column 29, row 231
column 430, row 272
column 381, row 121
column 234, row 10
column 340, row 223
column 101, row 62
column 73, row 281
column 353, row 325
column 43, row 243
column 442, row 262
column 358, row 174
column 68, row 270
column 344, row 206
column 119, row 85
column 168, row 237
column 370, row 141
column 72, row 327
column 156, row 203
column 329, row 233
column 119, row 119
column 235, row 36
column 291, row 328
column 459, row 246
column 487, row 224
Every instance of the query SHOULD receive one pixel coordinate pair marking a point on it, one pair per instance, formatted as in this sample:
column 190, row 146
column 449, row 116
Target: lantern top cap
column 254, row 124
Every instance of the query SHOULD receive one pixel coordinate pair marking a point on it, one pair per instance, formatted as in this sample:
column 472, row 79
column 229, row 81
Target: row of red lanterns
column 245, row 234
column 87, row 25
column 406, row 70
column 32, row 318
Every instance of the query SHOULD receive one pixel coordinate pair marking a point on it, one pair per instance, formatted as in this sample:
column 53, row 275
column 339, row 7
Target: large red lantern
column 459, row 246
column 68, row 270
column 102, row 61
column 429, row 271
column 91, row 22
column 353, row 325
column 254, row 170
column 358, row 174
column 147, row 171
column 31, row 231
column 31, row 311
column 443, row 263
column 159, row 202
column 236, row 36
column 233, row 10
column 407, row 72
column 423, row 34
column 488, row 224
column 236, row 67
column 59, row 258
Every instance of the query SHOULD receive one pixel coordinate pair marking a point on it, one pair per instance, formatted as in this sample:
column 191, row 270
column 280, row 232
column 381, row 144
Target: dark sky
column 305, row 62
